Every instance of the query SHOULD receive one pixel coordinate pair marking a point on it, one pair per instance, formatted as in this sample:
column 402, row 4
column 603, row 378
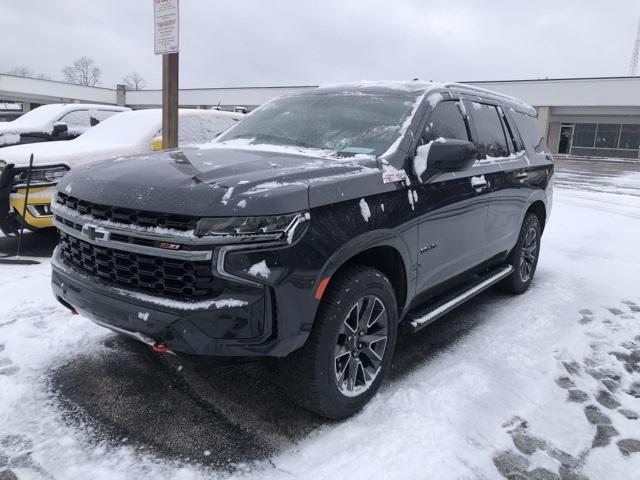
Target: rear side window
column 492, row 141
column 98, row 116
column 530, row 132
column 446, row 121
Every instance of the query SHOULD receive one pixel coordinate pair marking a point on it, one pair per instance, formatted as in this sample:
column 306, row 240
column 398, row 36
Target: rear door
column 451, row 207
column 505, row 160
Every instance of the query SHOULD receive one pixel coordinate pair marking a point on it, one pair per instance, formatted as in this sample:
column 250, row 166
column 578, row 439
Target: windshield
column 349, row 123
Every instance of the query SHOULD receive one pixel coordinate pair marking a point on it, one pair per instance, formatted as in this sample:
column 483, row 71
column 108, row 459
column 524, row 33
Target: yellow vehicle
column 13, row 193
column 123, row 134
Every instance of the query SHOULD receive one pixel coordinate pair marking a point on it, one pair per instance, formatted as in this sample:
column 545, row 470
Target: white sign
column 166, row 19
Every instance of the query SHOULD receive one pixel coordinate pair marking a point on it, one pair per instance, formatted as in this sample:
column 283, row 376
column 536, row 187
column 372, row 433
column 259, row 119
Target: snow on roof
column 421, row 86
column 41, row 119
column 405, row 86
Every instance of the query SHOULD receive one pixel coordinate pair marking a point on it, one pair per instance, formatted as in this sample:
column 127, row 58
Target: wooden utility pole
column 166, row 19
column 170, row 70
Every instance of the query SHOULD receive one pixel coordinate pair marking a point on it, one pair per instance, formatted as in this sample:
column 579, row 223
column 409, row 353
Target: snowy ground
column 540, row 386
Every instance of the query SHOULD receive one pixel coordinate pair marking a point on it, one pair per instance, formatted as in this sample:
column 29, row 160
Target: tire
column 524, row 256
column 338, row 371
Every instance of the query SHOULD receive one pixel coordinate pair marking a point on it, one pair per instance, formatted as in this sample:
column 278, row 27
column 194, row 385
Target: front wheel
column 349, row 350
column 524, row 257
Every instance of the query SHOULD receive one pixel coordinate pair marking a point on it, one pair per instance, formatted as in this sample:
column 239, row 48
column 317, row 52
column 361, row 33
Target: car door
column 451, row 207
column 506, row 161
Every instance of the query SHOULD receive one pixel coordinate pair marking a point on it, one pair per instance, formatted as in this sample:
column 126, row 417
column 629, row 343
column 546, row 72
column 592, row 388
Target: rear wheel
column 524, row 257
column 349, row 350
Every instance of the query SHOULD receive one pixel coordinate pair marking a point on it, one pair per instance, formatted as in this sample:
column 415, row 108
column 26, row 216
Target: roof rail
column 474, row 89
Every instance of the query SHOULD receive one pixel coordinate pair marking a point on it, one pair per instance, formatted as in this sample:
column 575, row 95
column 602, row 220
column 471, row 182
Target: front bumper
column 12, row 200
column 231, row 325
column 38, row 212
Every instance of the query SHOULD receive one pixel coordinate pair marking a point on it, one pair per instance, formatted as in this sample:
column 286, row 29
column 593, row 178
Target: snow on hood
column 215, row 181
column 119, row 135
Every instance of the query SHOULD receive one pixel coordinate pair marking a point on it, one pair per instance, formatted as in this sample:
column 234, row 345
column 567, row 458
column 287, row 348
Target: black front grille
column 128, row 216
column 180, row 279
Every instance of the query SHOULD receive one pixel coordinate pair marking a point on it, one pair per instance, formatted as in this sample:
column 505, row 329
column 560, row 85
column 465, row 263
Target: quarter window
column 530, row 132
column 446, row 121
column 491, row 136
column 99, row 115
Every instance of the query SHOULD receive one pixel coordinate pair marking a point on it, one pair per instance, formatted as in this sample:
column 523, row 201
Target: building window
column 584, row 135
column 630, row 137
column 607, row 135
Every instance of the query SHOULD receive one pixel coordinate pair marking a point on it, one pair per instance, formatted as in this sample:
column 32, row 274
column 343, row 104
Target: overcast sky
column 304, row 42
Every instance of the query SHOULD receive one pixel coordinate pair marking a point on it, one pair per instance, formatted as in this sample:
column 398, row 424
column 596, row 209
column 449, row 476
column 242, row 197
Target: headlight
column 39, row 175
column 249, row 228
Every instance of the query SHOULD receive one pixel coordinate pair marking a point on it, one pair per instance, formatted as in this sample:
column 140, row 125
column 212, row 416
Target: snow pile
column 364, row 210
column 227, row 195
column 9, row 138
column 70, row 213
column 260, row 269
column 422, row 156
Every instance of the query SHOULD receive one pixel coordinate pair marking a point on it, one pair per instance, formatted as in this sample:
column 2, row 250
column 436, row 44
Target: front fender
column 404, row 243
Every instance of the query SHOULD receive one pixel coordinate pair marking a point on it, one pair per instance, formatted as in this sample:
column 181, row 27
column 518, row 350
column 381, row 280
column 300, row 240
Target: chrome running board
column 422, row 317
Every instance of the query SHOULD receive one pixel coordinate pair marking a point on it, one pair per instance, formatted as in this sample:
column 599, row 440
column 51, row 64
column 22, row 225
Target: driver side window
column 446, row 121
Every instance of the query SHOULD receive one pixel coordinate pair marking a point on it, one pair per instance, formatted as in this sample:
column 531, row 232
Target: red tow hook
column 160, row 347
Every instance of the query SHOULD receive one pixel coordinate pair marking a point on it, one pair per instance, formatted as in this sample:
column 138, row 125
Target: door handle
column 478, row 183
column 522, row 175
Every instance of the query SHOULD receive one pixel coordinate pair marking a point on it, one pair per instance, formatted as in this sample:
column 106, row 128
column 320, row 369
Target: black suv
column 311, row 231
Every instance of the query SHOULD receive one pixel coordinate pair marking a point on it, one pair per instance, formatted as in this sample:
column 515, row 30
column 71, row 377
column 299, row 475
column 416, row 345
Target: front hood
column 10, row 134
column 214, row 181
column 9, row 128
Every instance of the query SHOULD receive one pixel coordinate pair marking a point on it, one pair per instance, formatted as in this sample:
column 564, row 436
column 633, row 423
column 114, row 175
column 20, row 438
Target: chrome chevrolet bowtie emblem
column 93, row 232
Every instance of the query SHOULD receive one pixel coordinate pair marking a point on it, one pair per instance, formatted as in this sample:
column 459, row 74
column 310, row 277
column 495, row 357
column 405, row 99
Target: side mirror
column 443, row 155
column 60, row 128
column 93, row 121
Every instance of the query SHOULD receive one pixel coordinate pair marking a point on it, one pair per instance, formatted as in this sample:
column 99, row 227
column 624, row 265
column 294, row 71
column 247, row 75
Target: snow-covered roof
column 405, row 86
column 43, row 117
column 424, row 87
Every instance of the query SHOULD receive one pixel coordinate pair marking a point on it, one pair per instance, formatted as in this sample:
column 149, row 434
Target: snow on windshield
column 347, row 122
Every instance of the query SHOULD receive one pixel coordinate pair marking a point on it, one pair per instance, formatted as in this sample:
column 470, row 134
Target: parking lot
column 547, row 383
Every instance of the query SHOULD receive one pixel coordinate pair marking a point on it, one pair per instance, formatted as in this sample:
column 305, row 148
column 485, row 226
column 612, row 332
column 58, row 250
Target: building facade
column 591, row 117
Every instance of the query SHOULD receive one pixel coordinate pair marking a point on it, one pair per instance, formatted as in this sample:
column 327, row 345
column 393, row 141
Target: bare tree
column 25, row 72
column 134, row 81
column 84, row 71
